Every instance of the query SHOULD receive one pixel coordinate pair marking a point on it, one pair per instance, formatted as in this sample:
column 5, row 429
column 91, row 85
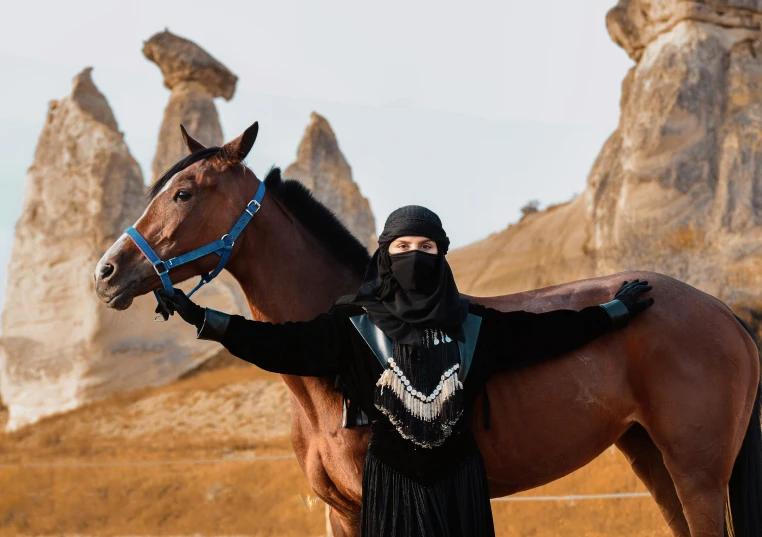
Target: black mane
column 319, row 220
column 201, row 154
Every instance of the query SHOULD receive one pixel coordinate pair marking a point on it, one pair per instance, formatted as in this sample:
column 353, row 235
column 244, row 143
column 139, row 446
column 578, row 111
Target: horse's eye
column 182, row 195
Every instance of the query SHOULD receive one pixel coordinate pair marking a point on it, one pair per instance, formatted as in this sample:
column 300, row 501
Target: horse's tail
column 745, row 487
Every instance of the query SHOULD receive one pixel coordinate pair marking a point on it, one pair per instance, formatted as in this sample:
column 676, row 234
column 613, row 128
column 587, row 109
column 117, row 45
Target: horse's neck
column 286, row 275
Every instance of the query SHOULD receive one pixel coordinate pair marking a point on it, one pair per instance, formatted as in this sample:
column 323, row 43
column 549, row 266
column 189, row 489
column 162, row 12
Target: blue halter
column 222, row 248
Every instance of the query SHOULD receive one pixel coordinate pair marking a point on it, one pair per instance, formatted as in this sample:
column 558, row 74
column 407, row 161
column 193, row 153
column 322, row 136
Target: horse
column 677, row 391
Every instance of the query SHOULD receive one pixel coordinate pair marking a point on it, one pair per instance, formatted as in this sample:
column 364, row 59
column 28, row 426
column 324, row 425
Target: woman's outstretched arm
column 308, row 348
column 518, row 338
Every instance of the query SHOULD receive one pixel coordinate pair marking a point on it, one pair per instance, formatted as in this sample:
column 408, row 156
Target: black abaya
column 408, row 489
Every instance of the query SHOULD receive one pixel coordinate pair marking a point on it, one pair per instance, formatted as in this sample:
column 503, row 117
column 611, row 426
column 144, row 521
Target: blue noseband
column 222, row 247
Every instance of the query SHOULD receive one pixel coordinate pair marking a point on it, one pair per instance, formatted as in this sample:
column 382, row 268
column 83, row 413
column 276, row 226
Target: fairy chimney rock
column 195, row 79
column 61, row 347
column 182, row 61
column 321, row 166
column 635, row 24
column 91, row 100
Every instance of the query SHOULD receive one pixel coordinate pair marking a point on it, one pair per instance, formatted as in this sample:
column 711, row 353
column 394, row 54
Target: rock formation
column 195, row 79
column 321, row 166
column 61, row 346
column 677, row 187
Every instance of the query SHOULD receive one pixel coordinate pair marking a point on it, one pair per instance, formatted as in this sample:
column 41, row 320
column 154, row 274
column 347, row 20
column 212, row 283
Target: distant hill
column 543, row 249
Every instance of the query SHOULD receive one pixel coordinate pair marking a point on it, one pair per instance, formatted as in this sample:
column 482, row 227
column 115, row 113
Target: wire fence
column 309, row 502
column 574, row 497
column 262, row 458
column 106, row 464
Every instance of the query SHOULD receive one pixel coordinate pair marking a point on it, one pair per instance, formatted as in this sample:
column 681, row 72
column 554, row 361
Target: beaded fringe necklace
column 420, row 390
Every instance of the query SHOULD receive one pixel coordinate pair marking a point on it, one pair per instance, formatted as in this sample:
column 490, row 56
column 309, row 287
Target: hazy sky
column 470, row 108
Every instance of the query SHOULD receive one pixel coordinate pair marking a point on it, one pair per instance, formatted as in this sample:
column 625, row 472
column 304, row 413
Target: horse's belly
column 551, row 419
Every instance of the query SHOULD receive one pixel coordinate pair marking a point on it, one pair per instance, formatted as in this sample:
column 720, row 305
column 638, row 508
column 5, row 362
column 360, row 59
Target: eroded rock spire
column 195, row 79
column 321, row 166
column 61, row 347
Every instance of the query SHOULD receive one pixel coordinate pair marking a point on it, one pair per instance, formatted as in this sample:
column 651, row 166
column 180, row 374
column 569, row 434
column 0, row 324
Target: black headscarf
column 404, row 315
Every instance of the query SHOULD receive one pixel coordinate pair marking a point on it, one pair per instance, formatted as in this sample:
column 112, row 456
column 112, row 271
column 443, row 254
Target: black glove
column 190, row 312
column 629, row 293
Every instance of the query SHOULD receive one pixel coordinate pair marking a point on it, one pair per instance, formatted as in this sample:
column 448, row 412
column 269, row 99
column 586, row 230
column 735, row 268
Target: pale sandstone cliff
column 677, row 187
column 321, row 166
column 61, row 347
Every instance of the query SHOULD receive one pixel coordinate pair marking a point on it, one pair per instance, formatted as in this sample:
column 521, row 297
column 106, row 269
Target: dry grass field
column 191, row 458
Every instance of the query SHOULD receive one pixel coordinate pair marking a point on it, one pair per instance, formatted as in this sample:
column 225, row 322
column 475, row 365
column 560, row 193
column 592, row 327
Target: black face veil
column 404, row 313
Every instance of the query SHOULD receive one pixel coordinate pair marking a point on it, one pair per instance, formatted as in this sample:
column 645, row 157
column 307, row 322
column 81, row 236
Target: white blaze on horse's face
column 114, row 297
column 164, row 189
column 125, row 255
column 116, row 247
column 123, row 239
column 195, row 208
column 109, row 254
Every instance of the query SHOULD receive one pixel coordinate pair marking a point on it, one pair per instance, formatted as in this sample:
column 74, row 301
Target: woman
column 414, row 354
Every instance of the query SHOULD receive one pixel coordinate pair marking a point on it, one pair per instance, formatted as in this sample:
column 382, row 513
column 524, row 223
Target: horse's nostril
column 107, row 270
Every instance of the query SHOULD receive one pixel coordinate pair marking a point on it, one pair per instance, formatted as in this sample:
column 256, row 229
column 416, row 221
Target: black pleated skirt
column 455, row 505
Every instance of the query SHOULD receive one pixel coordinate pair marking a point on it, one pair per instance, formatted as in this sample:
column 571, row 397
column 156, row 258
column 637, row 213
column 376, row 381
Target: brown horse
column 676, row 391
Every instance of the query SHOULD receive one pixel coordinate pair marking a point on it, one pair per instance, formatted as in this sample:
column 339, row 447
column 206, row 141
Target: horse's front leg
column 343, row 507
column 331, row 457
column 336, row 476
column 342, row 526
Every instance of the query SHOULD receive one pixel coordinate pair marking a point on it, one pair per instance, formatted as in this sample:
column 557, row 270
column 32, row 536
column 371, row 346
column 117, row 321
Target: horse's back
column 591, row 291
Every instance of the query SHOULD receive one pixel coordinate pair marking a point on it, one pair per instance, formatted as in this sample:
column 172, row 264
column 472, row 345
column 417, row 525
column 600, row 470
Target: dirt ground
column 211, row 455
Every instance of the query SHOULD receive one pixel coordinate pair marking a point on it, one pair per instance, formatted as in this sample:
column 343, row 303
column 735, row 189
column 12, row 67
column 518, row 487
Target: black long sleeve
column 310, row 348
column 519, row 338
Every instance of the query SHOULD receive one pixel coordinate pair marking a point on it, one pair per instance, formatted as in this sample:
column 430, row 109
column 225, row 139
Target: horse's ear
column 236, row 150
column 190, row 143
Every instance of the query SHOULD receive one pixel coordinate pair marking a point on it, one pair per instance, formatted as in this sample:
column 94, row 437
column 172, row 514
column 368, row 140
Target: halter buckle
column 255, row 202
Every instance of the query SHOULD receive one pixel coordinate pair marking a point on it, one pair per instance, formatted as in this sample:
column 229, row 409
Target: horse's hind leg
column 700, row 467
column 699, row 443
column 698, row 421
column 647, row 462
column 703, row 502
